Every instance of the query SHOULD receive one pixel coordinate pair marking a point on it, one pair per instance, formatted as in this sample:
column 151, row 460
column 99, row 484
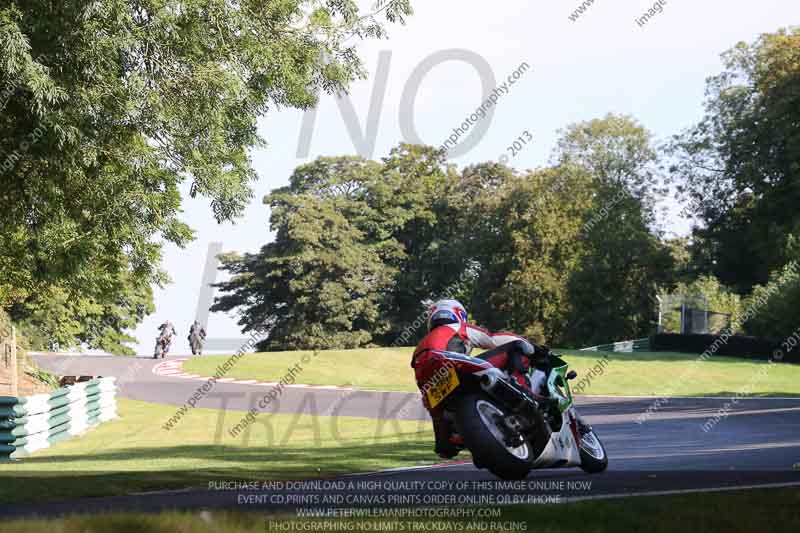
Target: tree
column 480, row 243
column 739, row 167
column 322, row 283
column 427, row 230
column 361, row 245
column 772, row 307
column 57, row 318
column 110, row 106
column 528, row 247
column 612, row 291
column 681, row 248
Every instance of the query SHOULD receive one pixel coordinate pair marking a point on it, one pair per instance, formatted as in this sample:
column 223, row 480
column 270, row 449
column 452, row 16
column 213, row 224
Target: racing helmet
column 446, row 312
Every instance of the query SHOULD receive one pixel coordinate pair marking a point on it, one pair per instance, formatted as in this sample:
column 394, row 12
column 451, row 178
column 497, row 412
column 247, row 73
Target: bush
column 772, row 308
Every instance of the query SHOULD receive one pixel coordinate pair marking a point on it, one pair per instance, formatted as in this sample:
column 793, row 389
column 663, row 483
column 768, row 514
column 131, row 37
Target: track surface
column 755, row 444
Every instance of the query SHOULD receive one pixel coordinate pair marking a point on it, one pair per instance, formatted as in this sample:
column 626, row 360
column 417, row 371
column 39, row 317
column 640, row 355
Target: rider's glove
column 542, row 352
column 541, row 358
column 524, row 347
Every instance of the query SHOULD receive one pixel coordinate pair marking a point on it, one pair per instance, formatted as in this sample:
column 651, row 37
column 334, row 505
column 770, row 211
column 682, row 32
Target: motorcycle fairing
column 562, row 449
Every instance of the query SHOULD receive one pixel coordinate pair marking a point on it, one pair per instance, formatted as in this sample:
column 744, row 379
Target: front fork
column 573, row 424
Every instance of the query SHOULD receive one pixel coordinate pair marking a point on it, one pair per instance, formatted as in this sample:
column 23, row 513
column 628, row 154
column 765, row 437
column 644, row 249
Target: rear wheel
column 593, row 454
column 480, row 422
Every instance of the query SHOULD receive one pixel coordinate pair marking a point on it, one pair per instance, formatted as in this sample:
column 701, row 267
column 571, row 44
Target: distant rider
column 165, row 338
column 197, row 334
column 449, row 330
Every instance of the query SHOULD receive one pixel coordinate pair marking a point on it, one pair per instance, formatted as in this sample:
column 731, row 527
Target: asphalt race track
column 755, row 444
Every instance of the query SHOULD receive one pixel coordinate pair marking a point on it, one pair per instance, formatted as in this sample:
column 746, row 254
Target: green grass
column 377, row 369
column 773, row 510
column 680, row 374
column 646, row 374
column 135, row 453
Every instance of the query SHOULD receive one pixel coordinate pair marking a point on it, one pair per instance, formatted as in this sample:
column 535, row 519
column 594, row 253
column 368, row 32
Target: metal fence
column 689, row 314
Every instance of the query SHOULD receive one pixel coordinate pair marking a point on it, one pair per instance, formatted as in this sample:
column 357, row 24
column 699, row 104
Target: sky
column 603, row 62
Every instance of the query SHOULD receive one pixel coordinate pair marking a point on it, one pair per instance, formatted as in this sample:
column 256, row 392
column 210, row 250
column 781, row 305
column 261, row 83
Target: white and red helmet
column 446, row 312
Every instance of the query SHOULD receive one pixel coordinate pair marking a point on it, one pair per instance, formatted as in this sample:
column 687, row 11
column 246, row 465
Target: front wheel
column 159, row 350
column 481, row 424
column 593, row 454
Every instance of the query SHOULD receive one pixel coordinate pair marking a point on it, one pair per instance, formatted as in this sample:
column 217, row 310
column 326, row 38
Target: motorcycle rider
column 450, row 331
column 165, row 338
column 197, row 334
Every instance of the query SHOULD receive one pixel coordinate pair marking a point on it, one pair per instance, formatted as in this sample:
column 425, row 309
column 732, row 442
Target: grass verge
column 773, row 510
column 645, row 374
column 136, row 454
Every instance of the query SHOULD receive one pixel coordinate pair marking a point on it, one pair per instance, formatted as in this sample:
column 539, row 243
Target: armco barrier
column 637, row 345
column 32, row 423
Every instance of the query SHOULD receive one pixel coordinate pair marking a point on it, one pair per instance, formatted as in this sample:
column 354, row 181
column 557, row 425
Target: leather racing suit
column 506, row 351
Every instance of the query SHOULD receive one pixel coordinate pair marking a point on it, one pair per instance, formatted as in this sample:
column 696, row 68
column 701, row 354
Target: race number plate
column 443, row 387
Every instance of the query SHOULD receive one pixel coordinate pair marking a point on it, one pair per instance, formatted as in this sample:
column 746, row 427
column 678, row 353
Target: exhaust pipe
column 490, row 379
column 507, row 393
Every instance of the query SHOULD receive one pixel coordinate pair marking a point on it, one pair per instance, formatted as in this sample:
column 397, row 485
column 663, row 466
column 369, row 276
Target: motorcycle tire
column 475, row 420
column 594, row 458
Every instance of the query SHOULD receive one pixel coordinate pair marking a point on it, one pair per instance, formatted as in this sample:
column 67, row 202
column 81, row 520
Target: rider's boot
column 445, row 447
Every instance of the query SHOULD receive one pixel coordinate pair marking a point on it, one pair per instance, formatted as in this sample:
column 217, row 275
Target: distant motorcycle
column 162, row 346
column 197, row 334
column 508, row 430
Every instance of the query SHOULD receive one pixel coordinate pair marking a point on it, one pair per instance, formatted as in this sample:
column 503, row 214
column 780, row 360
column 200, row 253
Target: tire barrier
column 32, row 423
column 636, row 345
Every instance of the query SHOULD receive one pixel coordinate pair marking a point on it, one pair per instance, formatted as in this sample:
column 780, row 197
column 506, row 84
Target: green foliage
column 358, row 248
column 361, row 246
column 43, row 377
column 705, row 290
column 739, row 167
column 23, row 343
column 322, row 281
column 424, row 227
column 612, row 290
column 57, row 318
column 109, row 107
column 774, row 305
column 680, row 248
column 529, row 255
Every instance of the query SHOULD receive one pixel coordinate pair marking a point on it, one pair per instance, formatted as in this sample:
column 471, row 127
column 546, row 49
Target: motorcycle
column 196, row 342
column 509, row 431
column 162, row 346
